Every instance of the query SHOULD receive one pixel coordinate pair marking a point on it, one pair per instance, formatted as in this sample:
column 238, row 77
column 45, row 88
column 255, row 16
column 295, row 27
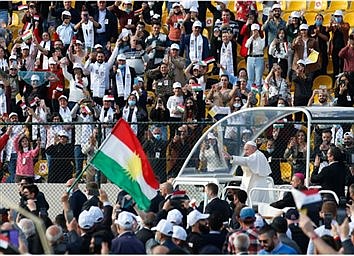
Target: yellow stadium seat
column 286, row 170
column 349, row 17
column 241, row 64
column 206, row 33
column 310, row 17
column 330, row 67
column 15, row 19
column 296, row 5
column 327, row 18
column 285, row 16
column 322, row 80
column 351, row 7
column 337, row 5
column 259, row 6
column 319, row 7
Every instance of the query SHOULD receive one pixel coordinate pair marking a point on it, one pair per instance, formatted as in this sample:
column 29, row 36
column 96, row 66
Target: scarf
column 195, row 48
column 106, row 119
column 3, row 104
column 65, row 114
column 45, row 63
column 125, row 116
column 226, row 59
column 86, row 129
column 124, row 89
column 39, row 128
column 3, row 65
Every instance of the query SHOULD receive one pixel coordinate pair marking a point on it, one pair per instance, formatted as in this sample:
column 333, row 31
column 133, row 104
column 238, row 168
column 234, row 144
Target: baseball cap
column 349, row 134
column 13, row 57
column 195, row 216
column 127, row 2
column 165, row 227
column 13, row 114
column 63, row 97
column 338, row 13
column 193, row 9
column 254, row 26
column 295, row 14
column 98, row 46
column 86, row 221
column 78, row 42
column 96, row 213
column 63, row 133
column 276, row 6
column 140, row 79
column 77, row 65
column 197, row 23
column 179, row 233
column 196, row 67
column 176, row 5
column 304, row 26
column 292, row 214
column 34, row 78
column 174, row 216
column 24, row 47
column 175, row 46
column 67, row 13
column 177, row 85
column 246, row 213
column 121, row 56
column 125, row 220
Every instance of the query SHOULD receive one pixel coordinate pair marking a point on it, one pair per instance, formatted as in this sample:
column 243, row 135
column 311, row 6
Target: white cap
column 66, row 13
column 12, row 66
column 177, row 85
column 211, row 136
column 295, row 14
column 165, row 227
column 98, row 46
column 1, row 82
column 179, row 233
column 77, row 65
column 175, row 46
column 251, row 143
column 195, row 216
column 156, row 16
column 255, row 26
column 193, row 9
column 125, row 220
column 78, row 42
column 86, row 221
column 13, row 57
column 24, row 46
column 276, row 6
column 304, row 26
column 127, row 2
column 63, row 97
column 196, row 66
column 140, row 79
column 121, row 56
column 51, row 61
column 197, row 23
column 301, row 61
column 13, row 114
column 174, row 216
column 96, row 213
column 176, row 5
column 63, row 133
column 35, row 78
column 225, row 2
column 338, row 13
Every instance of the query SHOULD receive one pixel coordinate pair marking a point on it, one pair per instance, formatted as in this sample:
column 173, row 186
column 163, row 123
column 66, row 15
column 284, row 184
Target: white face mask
column 281, row 105
column 237, row 105
column 218, row 7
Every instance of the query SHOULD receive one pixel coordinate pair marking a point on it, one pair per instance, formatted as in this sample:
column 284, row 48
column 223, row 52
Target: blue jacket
column 184, row 47
column 127, row 243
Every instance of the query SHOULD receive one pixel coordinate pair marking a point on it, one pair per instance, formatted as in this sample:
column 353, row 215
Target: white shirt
column 99, row 74
column 89, row 35
column 102, row 21
column 258, row 45
column 66, row 33
column 172, row 104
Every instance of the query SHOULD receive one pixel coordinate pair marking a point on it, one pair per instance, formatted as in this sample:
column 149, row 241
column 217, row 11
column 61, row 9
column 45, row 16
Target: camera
column 328, row 221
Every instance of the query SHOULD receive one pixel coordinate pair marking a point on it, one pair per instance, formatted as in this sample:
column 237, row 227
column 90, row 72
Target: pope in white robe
column 256, row 169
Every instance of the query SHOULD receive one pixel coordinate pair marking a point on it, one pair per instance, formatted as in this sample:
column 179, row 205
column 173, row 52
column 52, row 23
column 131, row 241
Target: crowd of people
column 69, row 71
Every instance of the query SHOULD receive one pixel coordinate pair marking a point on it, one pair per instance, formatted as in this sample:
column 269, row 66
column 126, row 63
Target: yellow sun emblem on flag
column 134, row 166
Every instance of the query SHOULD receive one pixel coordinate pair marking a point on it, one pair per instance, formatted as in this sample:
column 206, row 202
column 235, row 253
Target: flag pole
column 89, row 163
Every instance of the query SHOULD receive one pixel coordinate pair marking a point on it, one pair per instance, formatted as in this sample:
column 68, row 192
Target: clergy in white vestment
column 256, row 169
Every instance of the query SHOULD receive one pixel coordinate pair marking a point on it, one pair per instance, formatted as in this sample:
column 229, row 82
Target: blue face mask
column 128, row 10
column 318, row 23
column 338, row 19
column 157, row 136
column 131, row 102
column 121, row 66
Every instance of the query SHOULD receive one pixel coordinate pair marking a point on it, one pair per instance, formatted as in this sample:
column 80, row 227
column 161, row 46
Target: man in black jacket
column 216, row 205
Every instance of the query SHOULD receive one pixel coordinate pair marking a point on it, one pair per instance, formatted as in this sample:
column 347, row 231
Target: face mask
column 1, row 91
column 338, row 19
column 121, row 66
column 128, row 10
column 270, row 150
column 237, row 105
column 218, row 7
column 281, row 105
column 157, row 136
column 131, row 102
column 318, row 23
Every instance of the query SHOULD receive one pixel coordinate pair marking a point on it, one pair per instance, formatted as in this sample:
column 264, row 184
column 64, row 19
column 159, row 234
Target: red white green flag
column 122, row 159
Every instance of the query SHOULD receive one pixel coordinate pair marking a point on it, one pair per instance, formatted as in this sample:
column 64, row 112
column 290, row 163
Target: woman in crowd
column 296, row 152
column 279, row 50
column 276, row 86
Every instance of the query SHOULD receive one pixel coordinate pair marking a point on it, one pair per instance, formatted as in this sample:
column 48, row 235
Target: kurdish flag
column 122, row 159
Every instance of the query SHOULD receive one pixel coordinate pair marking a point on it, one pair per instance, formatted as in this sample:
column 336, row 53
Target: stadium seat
column 310, row 17
column 321, row 7
column 349, row 17
column 241, row 64
column 327, row 18
column 296, row 5
column 15, row 19
column 337, row 5
column 330, row 67
column 285, row 16
column 285, row 169
column 351, row 7
column 322, row 80
column 259, row 6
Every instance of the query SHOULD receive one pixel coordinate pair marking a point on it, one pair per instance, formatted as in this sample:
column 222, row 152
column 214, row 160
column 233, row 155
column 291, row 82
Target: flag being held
column 307, row 199
column 122, row 159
